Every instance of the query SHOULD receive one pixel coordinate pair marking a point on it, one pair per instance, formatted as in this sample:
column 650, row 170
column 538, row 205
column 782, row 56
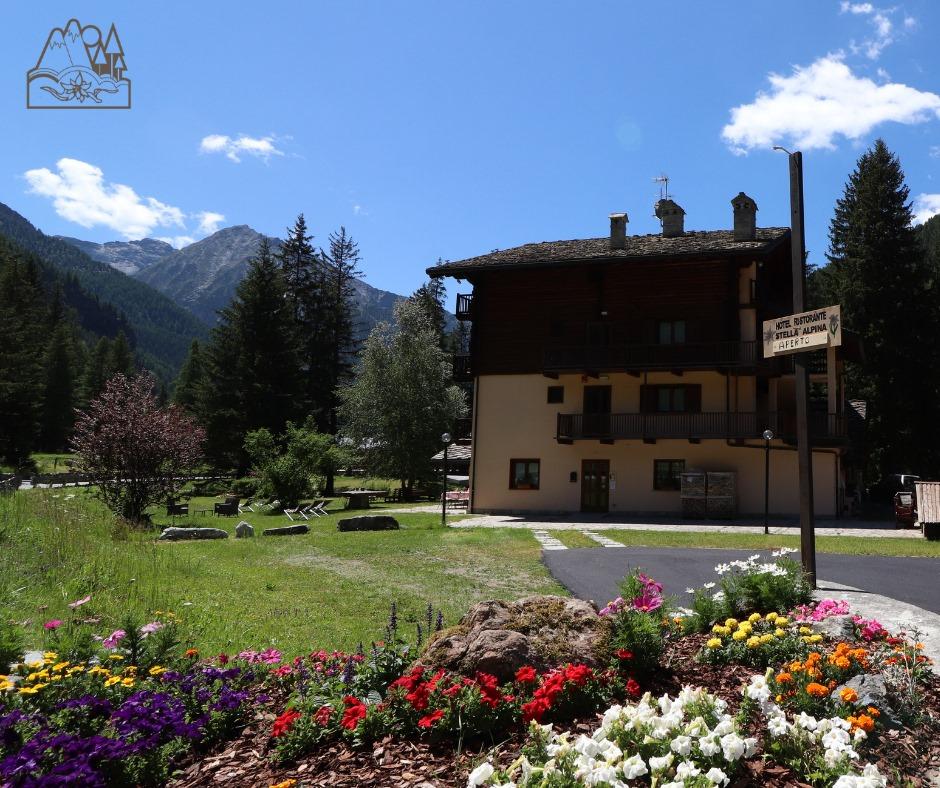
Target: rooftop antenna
column 663, row 181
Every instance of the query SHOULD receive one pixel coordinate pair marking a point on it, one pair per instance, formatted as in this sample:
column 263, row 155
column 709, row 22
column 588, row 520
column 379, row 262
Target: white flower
column 732, row 747
column 587, row 747
column 717, row 776
column 805, row 721
column 750, row 746
column 690, row 590
column 480, row 775
column 687, row 769
column 709, row 746
column 658, row 764
column 754, row 557
column 634, row 767
column 681, row 745
column 718, row 596
column 708, row 586
column 722, row 569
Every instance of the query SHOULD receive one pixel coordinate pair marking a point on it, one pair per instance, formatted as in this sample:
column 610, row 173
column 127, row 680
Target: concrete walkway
column 864, row 581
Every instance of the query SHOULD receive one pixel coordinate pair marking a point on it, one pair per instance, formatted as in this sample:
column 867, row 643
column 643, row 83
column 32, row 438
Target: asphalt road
column 594, row 572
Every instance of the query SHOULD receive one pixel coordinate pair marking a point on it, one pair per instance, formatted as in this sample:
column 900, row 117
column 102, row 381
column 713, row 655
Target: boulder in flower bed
column 174, row 534
column 368, row 522
column 501, row 637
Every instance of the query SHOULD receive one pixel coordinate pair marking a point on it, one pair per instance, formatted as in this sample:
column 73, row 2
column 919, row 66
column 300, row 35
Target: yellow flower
column 754, row 618
column 753, row 641
column 30, row 690
column 57, row 677
column 766, row 638
column 60, row 666
column 731, row 622
column 745, row 626
column 128, row 682
column 289, row 783
column 739, row 634
column 782, row 621
column 5, row 685
column 714, row 643
column 815, row 638
column 780, row 632
column 806, row 631
column 111, row 681
column 76, row 669
column 50, row 655
column 770, row 618
column 34, row 665
column 156, row 670
column 115, row 657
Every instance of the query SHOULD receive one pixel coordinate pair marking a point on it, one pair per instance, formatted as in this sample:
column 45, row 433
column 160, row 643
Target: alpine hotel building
column 605, row 368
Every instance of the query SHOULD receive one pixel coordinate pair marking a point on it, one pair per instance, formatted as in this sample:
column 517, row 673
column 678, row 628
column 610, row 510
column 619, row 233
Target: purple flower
column 51, row 625
column 80, row 602
column 270, row 656
column 111, row 641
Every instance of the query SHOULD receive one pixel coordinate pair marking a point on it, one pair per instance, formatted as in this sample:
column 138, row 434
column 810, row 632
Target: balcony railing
column 465, row 306
column 462, row 370
column 823, row 427
column 690, row 355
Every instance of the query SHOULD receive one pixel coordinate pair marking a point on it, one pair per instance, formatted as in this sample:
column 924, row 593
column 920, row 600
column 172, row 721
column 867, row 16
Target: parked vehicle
column 905, row 501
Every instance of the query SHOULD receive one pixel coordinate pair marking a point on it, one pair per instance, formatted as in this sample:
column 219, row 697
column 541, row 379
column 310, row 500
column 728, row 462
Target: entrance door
column 595, row 485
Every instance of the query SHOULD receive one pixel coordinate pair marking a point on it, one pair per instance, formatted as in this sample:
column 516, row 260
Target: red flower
column 633, row 689
column 323, row 715
column 489, row 689
column 526, row 675
column 578, row 674
column 622, row 653
column 535, row 709
column 223, row 659
column 284, row 670
column 429, row 719
column 284, row 723
column 355, row 711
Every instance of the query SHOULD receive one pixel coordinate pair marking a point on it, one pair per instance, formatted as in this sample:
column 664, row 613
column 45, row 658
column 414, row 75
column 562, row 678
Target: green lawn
column 854, row 545
column 324, row 588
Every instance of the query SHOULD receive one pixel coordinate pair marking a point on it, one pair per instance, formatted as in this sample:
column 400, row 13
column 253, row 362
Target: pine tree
column 341, row 272
column 431, row 297
column 60, row 397
column 23, row 328
column 877, row 274
column 191, row 377
column 298, row 261
column 253, row 368
column 121, row 358
column 96, row 370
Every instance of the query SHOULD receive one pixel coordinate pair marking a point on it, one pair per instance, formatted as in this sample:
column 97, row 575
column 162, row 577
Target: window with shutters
column 686, row 398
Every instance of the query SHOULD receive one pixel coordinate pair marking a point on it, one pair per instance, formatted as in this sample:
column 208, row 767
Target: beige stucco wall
column 513, row 420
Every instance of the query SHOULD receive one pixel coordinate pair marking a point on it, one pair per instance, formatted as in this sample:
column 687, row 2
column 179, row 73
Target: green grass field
column 324, row 588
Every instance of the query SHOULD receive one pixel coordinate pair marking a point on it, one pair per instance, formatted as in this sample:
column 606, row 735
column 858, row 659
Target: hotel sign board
column 804, row 331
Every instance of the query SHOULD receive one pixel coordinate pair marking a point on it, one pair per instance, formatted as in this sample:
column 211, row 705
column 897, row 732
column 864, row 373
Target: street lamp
column 445, row 439
column 768, row 437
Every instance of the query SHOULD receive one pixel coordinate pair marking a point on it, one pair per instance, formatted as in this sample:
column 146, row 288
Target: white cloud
column 925, row 206
column 857, row 8
column 819, row 102
column 80, row 194
column 177, row 241
column 935, row 151
column 910, row 23
column 236, row 147
column 208, row 222
column 883, row 29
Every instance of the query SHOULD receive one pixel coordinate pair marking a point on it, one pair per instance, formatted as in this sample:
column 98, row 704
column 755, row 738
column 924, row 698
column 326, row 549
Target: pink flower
column 149, row 629
column 650, row 584
column 270, row 656
column 80, row 602
column 54, row 624
column 647, row 602
column 111, row 641
column 248, row 656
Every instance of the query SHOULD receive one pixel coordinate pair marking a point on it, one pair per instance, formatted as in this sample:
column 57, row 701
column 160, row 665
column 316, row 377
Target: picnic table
column 361, row 499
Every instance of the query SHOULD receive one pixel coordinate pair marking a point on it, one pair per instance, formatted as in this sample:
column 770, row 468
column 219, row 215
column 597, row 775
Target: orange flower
column 191, row 653
column 873, row 711
column 849, row 695
column 796, row 666
column 817, row 690
column 861, row 722
column 784, row 678
column 842, row 662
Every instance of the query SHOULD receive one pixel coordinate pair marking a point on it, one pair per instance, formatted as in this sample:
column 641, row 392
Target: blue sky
column 444, row 129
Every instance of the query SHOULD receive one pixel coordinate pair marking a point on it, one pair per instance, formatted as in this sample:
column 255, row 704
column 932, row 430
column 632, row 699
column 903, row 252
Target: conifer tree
column 342, row 270
column 60, row 395
column 96, row 370
column 190, row 379
column 22, row 323
column 121, row 357
column 877, row 274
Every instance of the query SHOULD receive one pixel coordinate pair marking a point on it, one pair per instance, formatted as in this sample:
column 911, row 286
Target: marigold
column 806, row 631
column 849, row 695
column 780, row 632
column 766, row 638
column 861, row 722
column 714, row 643
column 753, row 642
column 289, row 783
column 842, row 662
column 817, row 690
column 754, row 618
column 739, row 634
column 873, row 711
column 191, row 653
column 731, row 622
column 782, row 621
column 784, row 678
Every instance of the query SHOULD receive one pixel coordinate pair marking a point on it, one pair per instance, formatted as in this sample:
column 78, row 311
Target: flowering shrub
column 757, row 641
column 640, row 618
column 747, row 587
column 689, row 740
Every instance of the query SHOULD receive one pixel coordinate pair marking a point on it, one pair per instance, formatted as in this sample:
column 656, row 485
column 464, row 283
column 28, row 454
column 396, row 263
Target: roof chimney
column 672, row 217
column 618, row 230
column 745, row 218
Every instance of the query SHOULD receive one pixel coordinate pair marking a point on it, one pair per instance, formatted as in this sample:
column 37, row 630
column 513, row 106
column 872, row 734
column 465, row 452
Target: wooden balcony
column 825, row 428
column 612, row 358
column 465, row 306
column 462, row 370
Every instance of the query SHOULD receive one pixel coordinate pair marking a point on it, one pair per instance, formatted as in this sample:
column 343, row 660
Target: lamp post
column 445, row 439
column 768, row 437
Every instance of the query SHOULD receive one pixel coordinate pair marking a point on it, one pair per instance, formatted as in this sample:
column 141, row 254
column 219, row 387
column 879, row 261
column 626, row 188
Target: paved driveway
column 593, row 573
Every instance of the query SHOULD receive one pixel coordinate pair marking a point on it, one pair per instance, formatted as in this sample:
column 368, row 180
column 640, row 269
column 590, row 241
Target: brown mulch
column 906, row 757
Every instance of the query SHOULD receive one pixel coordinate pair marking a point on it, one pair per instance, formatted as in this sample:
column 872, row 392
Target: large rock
column 287, row 530
column 174, row 534
column 872, row 691
column 368, row 522
column 836, row 627
column 244, row 530
column 500, row 637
